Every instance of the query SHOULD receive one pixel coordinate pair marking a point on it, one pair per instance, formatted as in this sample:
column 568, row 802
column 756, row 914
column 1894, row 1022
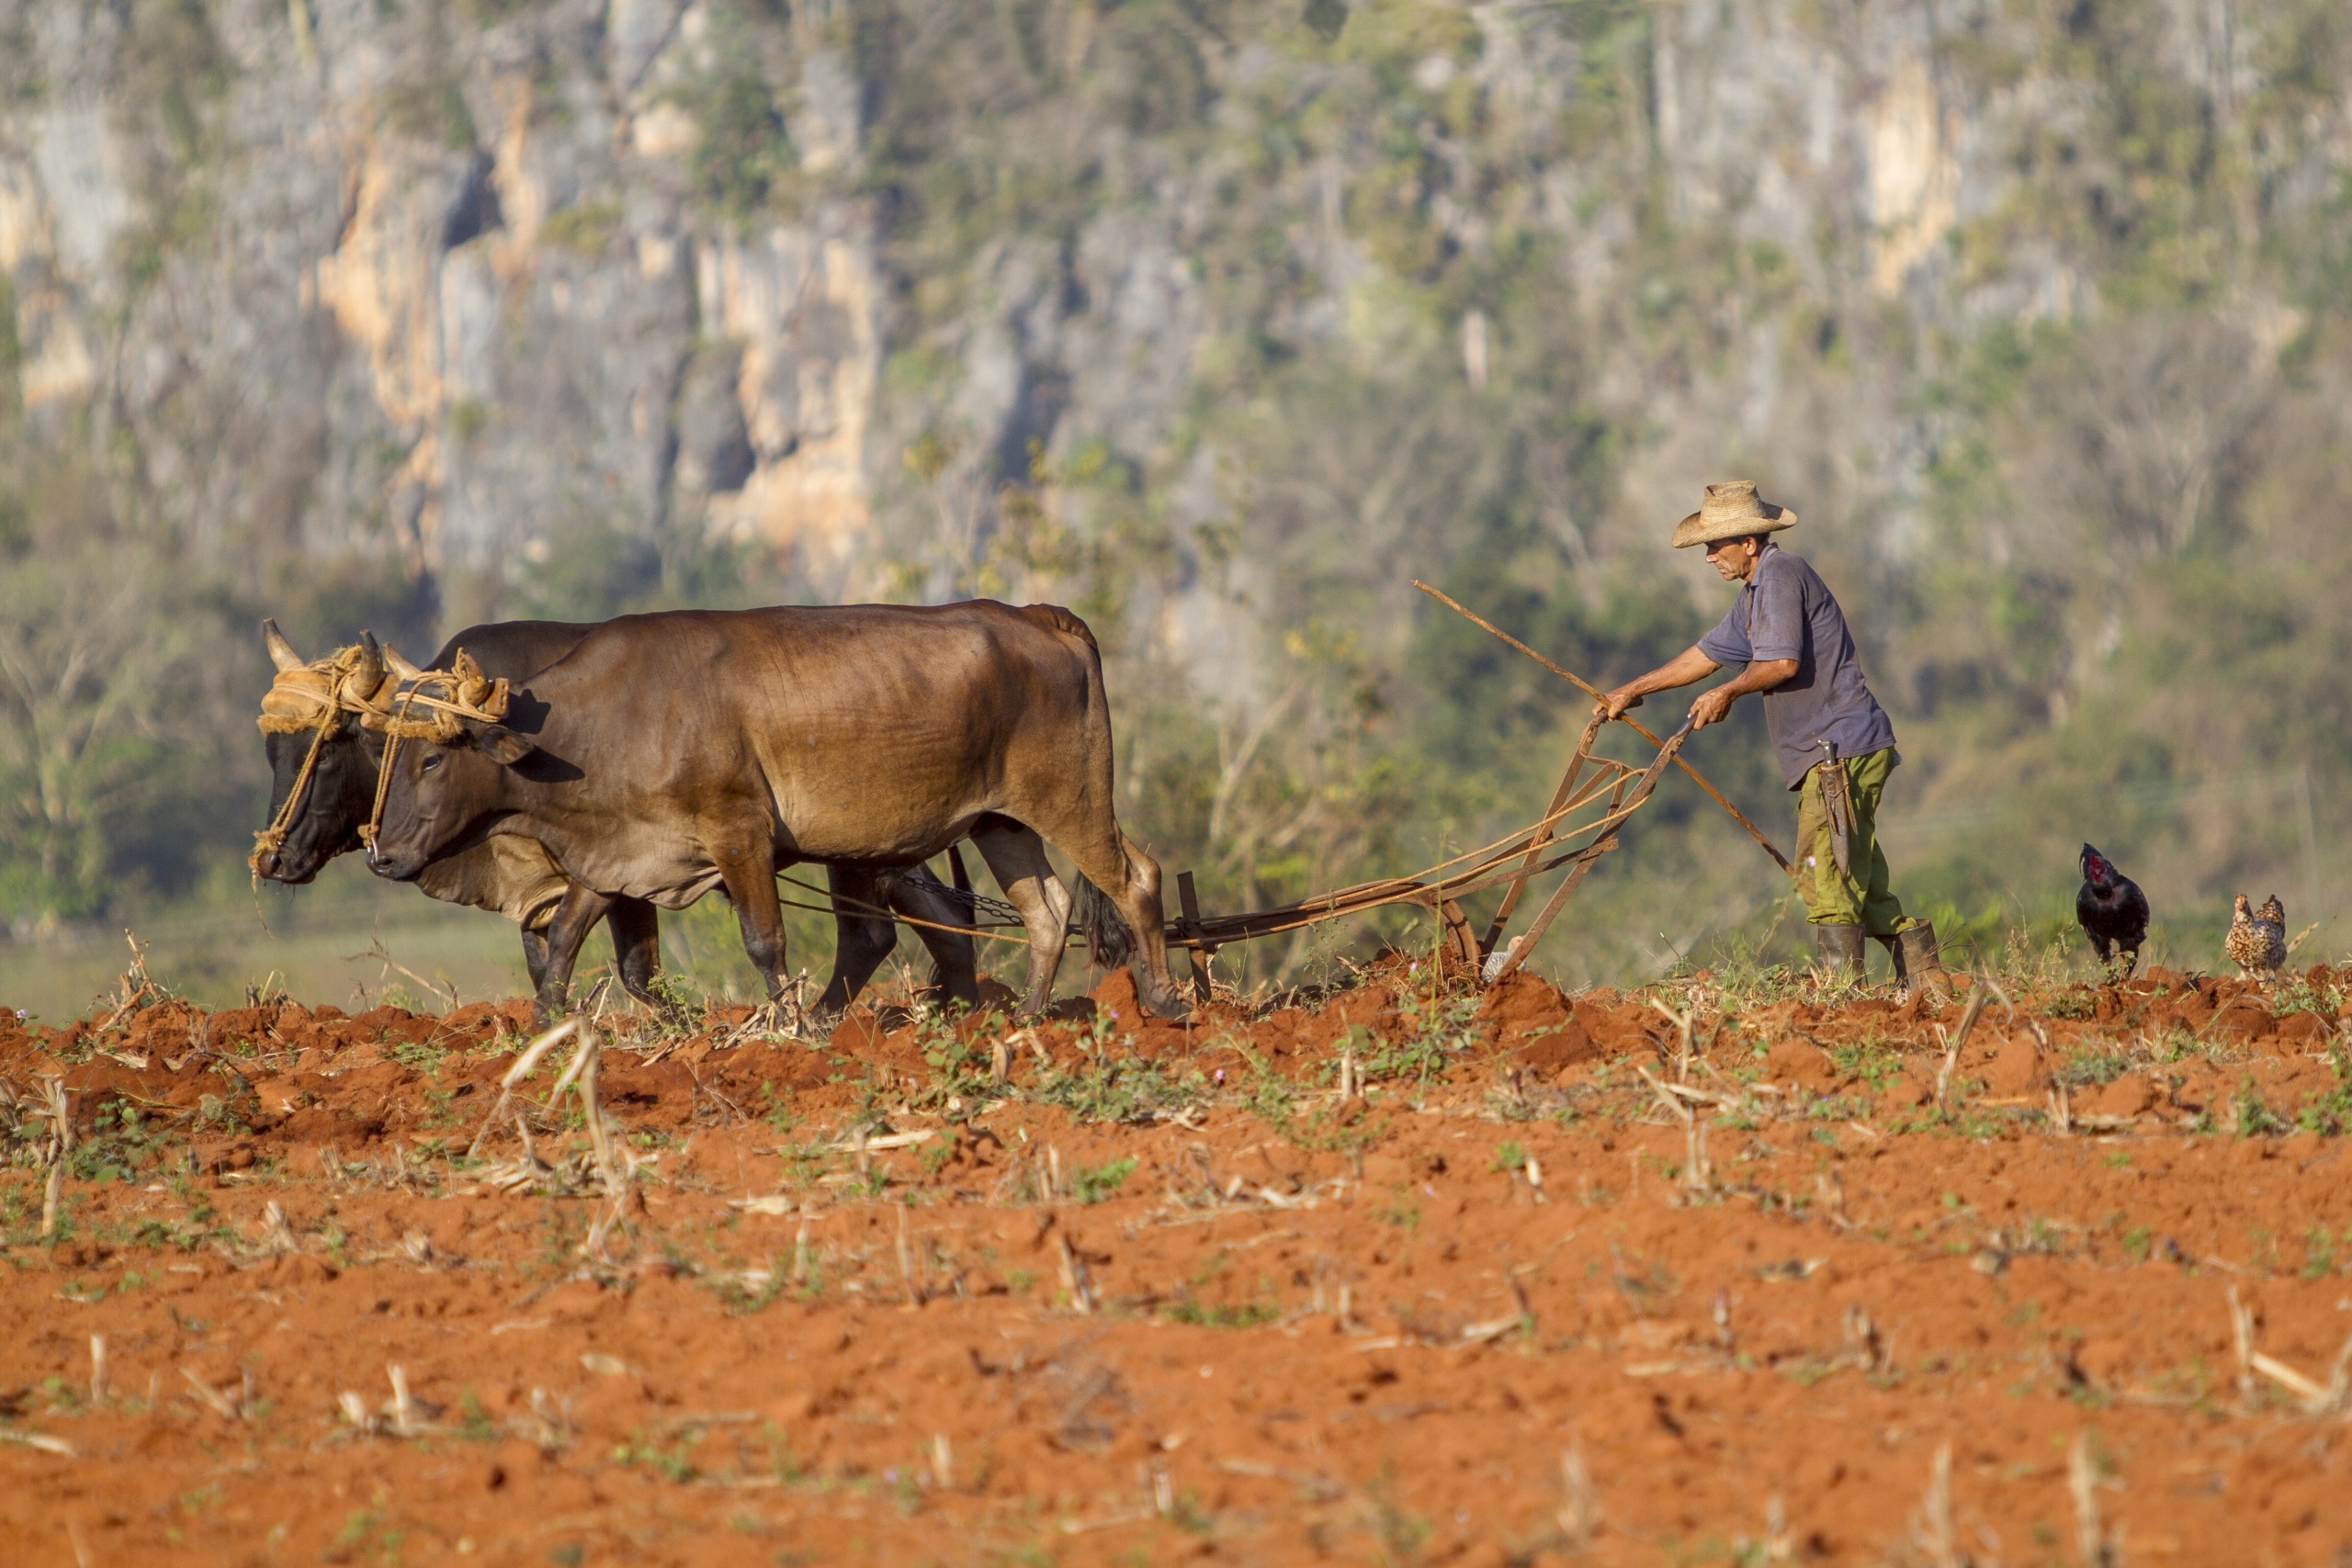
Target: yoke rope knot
column 346, row 680
column 469, row 694
column 448, row 697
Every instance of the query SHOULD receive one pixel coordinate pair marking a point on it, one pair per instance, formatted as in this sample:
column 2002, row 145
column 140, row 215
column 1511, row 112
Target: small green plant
column 2075, row 1002
column 2330, row 1111
column 1249, row 1314
column 743, row 151
column 423, row 1056
column 1094, row 1183
column 1869, row 1060
column 2094, row 1069
column 678, row 1008
column 1510, row 1155
column 1113, row 1086
column 2303, row 995
column 961, row 1065
column 2254, row 1118
column 674, row 1461
column 121, row 1145
column 1436, row 1030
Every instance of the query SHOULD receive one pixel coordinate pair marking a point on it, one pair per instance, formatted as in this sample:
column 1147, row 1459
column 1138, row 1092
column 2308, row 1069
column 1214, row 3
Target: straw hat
column 1732, row 512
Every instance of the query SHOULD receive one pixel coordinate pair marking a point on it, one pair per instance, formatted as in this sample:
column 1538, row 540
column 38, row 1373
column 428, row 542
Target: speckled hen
column 2258, row 942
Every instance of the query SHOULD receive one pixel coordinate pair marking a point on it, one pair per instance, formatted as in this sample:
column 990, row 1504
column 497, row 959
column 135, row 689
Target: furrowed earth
column 1567, row 1279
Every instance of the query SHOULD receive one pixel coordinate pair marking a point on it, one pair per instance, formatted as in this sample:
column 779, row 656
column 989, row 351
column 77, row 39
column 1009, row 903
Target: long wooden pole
column 1597, row 695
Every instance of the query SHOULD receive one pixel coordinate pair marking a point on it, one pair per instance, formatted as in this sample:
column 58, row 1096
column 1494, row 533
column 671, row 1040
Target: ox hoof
column 1171, row 1005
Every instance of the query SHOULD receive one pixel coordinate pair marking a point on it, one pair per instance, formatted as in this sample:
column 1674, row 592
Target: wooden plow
column 1510, row 862
column 1595, row 797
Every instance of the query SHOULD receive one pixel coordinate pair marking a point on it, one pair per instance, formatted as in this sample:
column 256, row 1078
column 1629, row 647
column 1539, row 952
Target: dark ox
column 670, row 754
column 517, row 878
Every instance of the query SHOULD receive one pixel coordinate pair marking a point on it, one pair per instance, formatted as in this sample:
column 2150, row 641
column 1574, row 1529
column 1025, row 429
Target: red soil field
column 2072, row 1292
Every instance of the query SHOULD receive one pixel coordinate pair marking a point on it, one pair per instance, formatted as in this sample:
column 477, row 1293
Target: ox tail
column 1109, row 942
column 963, row 879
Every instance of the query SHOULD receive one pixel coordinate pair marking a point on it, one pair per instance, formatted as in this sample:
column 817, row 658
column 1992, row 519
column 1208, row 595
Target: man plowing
column 1833, row 741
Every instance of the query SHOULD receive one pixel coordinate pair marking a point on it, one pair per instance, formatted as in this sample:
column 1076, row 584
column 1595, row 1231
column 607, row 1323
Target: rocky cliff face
column 430, row 282
column 441, row 278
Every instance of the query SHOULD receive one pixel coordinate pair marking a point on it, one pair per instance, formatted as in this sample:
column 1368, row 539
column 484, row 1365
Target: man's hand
column 1617, row 703
column 1710, row 706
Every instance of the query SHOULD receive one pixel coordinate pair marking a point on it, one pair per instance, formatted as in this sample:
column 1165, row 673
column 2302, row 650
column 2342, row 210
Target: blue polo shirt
column 1785, row 611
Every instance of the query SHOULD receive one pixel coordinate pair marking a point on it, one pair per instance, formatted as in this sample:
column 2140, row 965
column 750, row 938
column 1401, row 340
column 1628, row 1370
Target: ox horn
column 400, row 667
column 281, row 653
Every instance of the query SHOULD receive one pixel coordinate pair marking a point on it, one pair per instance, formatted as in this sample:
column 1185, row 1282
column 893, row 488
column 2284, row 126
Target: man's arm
column 1692, row 665
column 1681, row 669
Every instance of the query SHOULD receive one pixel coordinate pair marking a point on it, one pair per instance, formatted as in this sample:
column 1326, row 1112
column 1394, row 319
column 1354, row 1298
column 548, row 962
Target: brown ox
column 515, row 876
column 670, row 754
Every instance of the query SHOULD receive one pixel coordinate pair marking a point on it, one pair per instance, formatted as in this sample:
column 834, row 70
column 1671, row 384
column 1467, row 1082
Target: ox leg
column 535, row 956
column 1017, row 856
column 574, row 919
column 862, row 939
column 636, row 928
column 1131, row 878
column 750, row 881
column 955, row 964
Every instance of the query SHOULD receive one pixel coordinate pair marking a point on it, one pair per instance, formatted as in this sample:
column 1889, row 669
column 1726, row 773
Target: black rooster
column 2112, row 910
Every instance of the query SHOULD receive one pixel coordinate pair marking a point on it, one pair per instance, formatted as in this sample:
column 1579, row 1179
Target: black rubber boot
column 1839, row 950
column 1916, row 962
column 1917, row 957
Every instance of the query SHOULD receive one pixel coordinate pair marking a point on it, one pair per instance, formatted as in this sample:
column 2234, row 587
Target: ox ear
column 499, row 743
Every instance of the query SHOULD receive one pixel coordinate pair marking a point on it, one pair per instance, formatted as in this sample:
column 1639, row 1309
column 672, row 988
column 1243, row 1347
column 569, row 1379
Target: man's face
column 1735, row 558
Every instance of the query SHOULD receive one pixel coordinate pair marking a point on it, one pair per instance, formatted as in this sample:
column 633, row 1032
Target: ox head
column 324, row 818
column 447, row 775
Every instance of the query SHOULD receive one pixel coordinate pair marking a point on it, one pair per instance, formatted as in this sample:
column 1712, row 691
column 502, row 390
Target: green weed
column 1093, row 1184
column 1247, row 1315
column 1869, row 1060
column 2094, row 1069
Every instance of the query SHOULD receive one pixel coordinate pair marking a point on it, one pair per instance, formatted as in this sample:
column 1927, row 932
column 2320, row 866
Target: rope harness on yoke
column 383, row 693
column 470, row 695
column 314, row 697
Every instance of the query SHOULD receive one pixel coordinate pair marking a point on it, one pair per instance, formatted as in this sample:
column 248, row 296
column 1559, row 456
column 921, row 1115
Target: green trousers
column 1860, row 896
